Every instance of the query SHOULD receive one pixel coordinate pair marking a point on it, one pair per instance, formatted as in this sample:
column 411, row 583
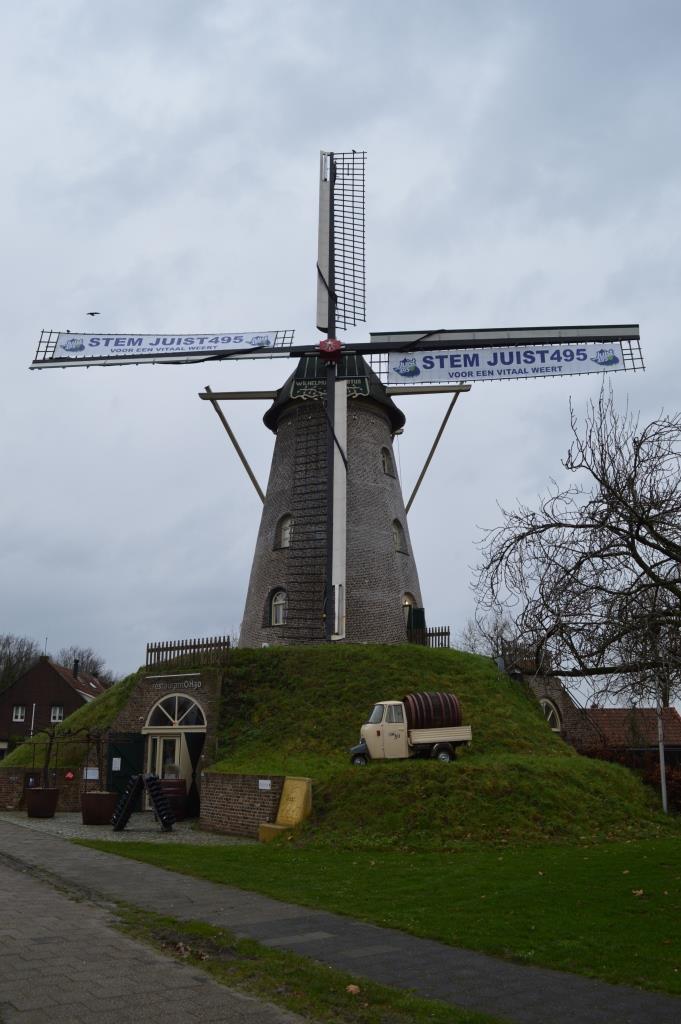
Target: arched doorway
column 176, row 732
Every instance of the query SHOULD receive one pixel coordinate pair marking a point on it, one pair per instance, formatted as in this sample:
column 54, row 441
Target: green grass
column 312, row 990
column 608, row 911
column 297, row 710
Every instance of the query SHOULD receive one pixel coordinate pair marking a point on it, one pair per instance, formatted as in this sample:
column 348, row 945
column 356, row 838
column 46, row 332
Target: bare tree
column 486, row 633
column 593, row 574
column 88, row 661
column 17, row 654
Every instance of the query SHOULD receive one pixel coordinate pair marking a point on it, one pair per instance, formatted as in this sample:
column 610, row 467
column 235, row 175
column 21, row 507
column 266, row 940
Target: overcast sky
column 160, row 165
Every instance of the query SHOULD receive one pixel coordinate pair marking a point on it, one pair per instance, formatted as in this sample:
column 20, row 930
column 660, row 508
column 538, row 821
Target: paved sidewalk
column 526, row 995
column 62, row 962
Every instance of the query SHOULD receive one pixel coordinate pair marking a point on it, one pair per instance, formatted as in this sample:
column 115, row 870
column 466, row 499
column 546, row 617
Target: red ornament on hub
column 330, row 350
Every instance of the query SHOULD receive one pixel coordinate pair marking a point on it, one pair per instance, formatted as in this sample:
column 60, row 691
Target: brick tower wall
column 378, row 576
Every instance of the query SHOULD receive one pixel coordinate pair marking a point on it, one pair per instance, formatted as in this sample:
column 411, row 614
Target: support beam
column 429, row 389
column 221, row 416
column 432, row 450
column 235, row 396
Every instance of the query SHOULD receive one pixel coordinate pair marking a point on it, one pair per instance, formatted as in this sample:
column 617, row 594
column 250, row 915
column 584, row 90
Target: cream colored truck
column 419, row 725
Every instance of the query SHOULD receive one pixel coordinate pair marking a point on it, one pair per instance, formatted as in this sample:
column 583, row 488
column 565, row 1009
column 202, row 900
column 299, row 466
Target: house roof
column 635, row 727
column 87, row 686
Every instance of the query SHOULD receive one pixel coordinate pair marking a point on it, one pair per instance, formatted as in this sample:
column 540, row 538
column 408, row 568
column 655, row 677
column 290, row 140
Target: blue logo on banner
column 605, row 357
column 407, row 367
column 260, row 339
column 73, row 345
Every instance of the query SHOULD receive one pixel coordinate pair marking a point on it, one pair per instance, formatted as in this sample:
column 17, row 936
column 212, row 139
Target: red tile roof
column 635, row 727
column 84, row 684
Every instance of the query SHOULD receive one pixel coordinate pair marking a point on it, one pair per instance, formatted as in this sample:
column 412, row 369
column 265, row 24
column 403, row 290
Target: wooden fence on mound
column 436, row 636
column 211, row 650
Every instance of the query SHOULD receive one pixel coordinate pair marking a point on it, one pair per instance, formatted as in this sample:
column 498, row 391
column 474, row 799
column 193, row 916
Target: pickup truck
column 419, row 725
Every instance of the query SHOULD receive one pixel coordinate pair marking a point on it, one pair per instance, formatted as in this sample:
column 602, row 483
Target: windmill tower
column 333, row 558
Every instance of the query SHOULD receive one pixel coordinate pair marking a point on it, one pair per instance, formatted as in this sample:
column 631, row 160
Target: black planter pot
column 41, row 803
column 97, row 808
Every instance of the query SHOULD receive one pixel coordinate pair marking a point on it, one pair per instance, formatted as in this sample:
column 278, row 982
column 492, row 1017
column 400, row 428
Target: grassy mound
column 296, row 711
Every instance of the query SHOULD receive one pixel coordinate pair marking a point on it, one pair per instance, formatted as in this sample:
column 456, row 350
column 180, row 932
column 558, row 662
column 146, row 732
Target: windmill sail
column 57, row 348
column 341, row 271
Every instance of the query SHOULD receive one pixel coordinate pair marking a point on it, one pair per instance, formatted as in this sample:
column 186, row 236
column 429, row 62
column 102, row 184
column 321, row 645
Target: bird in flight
column 94, row 313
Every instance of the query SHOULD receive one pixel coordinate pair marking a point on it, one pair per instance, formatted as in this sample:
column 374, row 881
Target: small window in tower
column 278, row 608
column 399, row 539
column 284, row 532
column 388, row 464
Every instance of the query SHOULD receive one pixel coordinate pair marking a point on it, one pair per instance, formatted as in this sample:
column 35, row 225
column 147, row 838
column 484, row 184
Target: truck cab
column 385, row 732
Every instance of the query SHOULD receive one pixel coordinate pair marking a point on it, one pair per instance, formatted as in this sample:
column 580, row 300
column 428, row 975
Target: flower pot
column 41, row 803
column 97, row 808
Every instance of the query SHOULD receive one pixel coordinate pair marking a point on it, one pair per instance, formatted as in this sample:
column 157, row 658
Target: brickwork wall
column 235, row 804
column 13, row 782
column 377, row 575
column 152, row 688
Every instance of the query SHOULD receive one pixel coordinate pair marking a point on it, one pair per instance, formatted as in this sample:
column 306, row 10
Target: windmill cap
column 313, row 369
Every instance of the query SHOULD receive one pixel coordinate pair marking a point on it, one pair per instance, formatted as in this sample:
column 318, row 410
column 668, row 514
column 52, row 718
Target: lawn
column 609, row 911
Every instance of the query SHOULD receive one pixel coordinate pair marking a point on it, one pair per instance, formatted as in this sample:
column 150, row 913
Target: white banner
column 503, row 362
column 117, row 346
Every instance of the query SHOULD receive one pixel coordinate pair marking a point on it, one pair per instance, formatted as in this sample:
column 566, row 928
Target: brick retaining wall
column 236, row 805
column 13, row 781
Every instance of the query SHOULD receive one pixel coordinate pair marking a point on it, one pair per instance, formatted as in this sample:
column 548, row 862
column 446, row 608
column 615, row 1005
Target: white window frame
column 399, row 537
column 19, row 713
column 285, row 531
column 551, row 714
column 56, row 714
column 278, row 608
column 388, row 461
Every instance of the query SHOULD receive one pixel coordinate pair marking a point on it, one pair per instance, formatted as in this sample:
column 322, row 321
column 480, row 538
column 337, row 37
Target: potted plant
column 41, row 801
column 96, row 805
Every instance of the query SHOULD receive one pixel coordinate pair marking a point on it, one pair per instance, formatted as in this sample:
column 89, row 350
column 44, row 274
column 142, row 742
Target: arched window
column 278, row 608
column 387, row 460
column 399, row 539
column 551, row 714
column 284, row 532
column 176, row 712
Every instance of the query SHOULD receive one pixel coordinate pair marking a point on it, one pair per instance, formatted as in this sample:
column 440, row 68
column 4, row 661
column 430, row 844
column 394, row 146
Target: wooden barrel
column 432, row 710
column 175, row 791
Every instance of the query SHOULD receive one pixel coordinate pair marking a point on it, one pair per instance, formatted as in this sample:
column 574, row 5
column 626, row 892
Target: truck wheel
column 444, row 755
column 359, row 760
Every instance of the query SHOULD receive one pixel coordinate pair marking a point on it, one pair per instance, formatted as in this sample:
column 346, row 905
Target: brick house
column 599, row 731
column 44, row 695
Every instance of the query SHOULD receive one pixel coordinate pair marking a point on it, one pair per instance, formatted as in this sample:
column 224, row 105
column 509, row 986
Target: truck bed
column 447, row 734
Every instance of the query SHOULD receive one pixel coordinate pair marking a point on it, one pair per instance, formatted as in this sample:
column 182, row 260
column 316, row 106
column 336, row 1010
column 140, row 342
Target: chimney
column 75, row 668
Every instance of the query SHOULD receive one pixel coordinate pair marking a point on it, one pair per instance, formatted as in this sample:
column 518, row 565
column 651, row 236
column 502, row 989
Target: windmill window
column 387, row 460
column 399, row 539
column 284, row 532
column 551, row 714
column 19, row 713
column 278, row 608
column 57, row 713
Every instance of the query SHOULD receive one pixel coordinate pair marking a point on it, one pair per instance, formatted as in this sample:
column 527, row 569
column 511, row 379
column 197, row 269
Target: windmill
column 333, row 558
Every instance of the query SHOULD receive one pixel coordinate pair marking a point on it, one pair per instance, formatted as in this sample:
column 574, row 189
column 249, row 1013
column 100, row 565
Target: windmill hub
column 330, row 350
